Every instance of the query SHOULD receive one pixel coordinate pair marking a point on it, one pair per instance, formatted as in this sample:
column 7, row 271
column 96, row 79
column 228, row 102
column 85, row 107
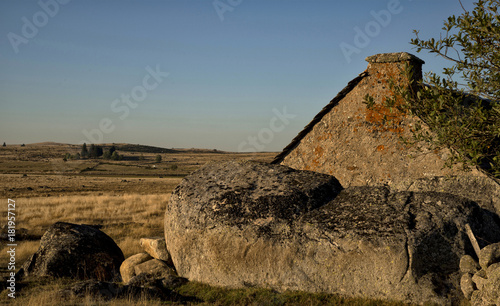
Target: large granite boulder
column 76, row 251
column 483, row 190
column 240, row 224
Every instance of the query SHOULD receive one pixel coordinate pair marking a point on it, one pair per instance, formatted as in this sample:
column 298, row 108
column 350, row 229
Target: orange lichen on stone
column 385, row 119
column 318, row 151
column 380, row 148
column 325, row 136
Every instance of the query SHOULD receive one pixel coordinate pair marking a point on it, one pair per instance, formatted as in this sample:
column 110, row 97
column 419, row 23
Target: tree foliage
column 471, row 42
column 462, row 107
column 85, row 152
column 116, row 156
column 95, row 151
column 158, row 158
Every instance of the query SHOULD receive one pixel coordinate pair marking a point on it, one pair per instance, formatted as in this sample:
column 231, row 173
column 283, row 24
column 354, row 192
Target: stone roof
column 377, row 58
column 350, row 86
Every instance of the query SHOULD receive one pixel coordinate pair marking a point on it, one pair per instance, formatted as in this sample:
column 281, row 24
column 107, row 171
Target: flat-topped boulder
column 240, row 224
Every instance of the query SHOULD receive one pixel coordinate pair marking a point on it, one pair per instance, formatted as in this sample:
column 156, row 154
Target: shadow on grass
column 256, row 296
column 46, row 291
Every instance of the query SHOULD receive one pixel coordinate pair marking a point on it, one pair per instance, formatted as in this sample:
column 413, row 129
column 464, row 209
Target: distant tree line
column 94, row 152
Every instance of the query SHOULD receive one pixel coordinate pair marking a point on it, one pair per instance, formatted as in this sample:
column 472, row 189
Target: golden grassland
column 125, row 218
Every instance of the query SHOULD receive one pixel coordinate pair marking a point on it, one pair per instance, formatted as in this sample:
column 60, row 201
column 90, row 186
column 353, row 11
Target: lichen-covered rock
column 483, row 190
column 127, row 268
column 468, row 265
column 480, row 279
column 489, row 255
column 492, row 270
column 154, row 267
column 478, row 299
column 467, row 285
column 157, row 248
column 76, row 251
column 242, row 224
column 492, row 287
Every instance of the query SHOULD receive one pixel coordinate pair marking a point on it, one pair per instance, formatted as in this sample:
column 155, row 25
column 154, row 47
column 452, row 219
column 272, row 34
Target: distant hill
column 126, row 147
column 142, row 148
column 151, row 149
column 47, row 143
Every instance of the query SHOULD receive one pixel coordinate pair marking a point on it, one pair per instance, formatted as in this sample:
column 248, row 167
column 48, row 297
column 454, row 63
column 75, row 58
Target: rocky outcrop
column 480, row 281
column 155, row 264
column 157, row 248
column 127, row 269
column 241, row 224
column 154, row 267
column 75, row 251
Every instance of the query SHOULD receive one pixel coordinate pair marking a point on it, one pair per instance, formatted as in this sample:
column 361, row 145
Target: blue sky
column 227, row 74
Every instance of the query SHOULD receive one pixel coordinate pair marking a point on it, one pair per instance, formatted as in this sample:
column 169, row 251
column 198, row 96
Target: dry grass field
column 127, row 198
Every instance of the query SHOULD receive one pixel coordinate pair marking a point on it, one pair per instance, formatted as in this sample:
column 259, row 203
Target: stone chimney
column 386, row 66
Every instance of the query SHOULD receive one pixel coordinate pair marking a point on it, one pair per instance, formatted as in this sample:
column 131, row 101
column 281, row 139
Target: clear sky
column 235, row 75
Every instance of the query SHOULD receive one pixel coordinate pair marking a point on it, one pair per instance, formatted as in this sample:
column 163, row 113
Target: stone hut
column 356, row 144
